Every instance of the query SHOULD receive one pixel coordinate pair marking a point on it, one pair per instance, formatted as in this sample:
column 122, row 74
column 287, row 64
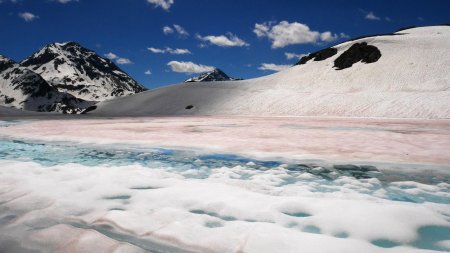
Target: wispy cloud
column 119, row 60
column 111, row 56
column 164, row 4
column 169, row 50
column 291, row 56
column 372, row 16
column 148, row 72
column 273, row 67
column 189, row 67
column 284, row 34
column 167, row 30
column 178, row 29
column 228, row 40
column 28, row 16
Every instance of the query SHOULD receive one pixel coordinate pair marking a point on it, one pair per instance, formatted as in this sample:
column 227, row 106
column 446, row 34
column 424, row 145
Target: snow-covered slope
column 410, row 79
column 24, row 89
column 211, row 76
column 76, row 70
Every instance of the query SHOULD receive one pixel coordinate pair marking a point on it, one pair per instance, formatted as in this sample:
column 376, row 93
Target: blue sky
column 160, row 42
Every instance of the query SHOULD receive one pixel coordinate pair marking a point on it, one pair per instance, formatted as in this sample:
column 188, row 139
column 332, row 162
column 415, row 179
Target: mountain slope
column 409, row 79
column 24, row 89
column 211, row 76
column 76, row 70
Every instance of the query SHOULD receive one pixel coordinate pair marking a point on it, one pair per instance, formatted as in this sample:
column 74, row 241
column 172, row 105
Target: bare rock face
column 318, row 56
column 62, row 77
column 24, row 89
column 73, row 69
column 356, row 53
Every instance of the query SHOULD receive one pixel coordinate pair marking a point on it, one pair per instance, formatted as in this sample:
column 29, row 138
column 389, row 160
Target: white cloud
column 273, row 67
column 228, row 40
column 189, row 67
column 156, row 50
column 123, row 61
column 169, row 50
column 119, row 60
column 27, row 16
column 372, row 16
column 176, row 28
column 165, row 4
column 291, row 56
column 178, row 51
column 111, row 56
column 167, row 30
column 180, row 30
column 328, row 36
column 285, row 33
column 148, row 72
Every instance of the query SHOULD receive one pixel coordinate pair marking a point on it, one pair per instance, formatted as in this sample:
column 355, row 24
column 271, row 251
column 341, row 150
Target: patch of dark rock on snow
column 318, row 56
column 89, row 109
column 357, row 52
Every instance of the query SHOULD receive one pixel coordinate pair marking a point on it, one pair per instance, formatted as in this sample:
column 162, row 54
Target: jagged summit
column 22, row 88
column 5, row 63
column 211, row 76
column 62, row 77
column 76, row 70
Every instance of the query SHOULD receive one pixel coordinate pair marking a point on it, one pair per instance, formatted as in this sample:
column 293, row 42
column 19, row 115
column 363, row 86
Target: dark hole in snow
column 357, row 52
column 189, row 107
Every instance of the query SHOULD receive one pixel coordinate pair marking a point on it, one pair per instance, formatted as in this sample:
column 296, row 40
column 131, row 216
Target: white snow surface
column 221, row 213
column 410, row 80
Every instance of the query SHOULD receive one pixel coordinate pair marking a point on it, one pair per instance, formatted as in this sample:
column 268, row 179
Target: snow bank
column 410, row 80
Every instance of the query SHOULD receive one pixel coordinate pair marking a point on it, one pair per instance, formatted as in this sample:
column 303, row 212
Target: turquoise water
column 325, row 178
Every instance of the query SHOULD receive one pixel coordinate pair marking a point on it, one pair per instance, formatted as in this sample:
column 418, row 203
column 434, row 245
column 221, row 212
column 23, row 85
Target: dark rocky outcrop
column 318, row 56
column 357, row 52
column 5, row 63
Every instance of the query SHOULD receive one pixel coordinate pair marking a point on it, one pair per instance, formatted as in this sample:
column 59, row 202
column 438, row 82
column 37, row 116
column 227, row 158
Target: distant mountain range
column 211, row 76
column 62, row 77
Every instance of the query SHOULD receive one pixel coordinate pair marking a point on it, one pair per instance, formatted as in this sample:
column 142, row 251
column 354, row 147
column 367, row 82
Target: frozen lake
column 224, row 185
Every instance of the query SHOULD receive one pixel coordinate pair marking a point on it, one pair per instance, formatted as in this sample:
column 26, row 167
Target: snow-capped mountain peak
column 22, row 88
column 211, row 76
column 76, row 70
column 5, row 63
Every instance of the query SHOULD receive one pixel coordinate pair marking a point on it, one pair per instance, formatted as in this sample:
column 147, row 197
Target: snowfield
column 410, row 80
column 175, row 184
